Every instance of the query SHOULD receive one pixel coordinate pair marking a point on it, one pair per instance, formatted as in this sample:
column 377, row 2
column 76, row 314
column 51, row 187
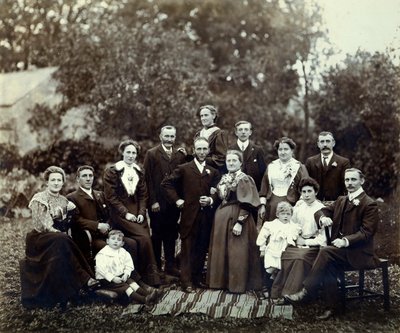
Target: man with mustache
column 328, row 168
column 159, row 163
column 93, row 216
column 189, row 186
column 354, row 221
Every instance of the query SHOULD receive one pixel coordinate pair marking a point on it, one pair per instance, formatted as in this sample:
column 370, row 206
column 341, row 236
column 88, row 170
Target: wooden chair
column 360, row 287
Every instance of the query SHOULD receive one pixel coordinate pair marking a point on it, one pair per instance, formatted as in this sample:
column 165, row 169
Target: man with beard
column 159, row 163
column 328, row 169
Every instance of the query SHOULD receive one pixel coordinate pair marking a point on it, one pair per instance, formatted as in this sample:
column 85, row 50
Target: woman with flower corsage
column 54, row 270
column 234, row 262
column 125, row 189
column 281, row 179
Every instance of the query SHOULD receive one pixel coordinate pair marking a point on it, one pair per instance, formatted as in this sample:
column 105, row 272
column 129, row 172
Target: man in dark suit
column 189, row 188
column 159, row 163
column 353, row 220
column 93, row 216
column 253, row 155
column 328, row 169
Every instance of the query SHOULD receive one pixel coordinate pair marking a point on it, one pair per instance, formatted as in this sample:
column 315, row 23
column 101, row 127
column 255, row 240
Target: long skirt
column 296, row 263
column 53, row 271
column 234, row 261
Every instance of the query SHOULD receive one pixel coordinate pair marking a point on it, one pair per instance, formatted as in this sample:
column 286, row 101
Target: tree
column 156, row 62
column 360, row 103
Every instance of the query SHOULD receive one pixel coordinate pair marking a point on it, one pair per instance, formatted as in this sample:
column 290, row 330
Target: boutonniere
column 334, row 164
column 104, row 206
column 208, row 171
column 356, row 202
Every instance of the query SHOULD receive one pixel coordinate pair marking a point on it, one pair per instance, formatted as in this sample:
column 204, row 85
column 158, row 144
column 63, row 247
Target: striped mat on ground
column 216, row 304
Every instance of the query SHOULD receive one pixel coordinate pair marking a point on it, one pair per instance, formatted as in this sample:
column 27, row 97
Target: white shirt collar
column 88, row 192
column 355, row 194
column 199, row 165
column 243, row 144
column 166, row 149
column 328, row 158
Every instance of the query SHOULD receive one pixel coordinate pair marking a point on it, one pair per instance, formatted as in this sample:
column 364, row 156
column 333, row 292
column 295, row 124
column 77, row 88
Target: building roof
column 15, row 85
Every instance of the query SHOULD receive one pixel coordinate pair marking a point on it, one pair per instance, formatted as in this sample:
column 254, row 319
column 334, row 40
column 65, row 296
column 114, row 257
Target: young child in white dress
column 115, row 271
column 275, row 236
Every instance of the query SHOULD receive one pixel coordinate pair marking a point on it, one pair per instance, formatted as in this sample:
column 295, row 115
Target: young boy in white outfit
column 275, row 236
column 114, row 268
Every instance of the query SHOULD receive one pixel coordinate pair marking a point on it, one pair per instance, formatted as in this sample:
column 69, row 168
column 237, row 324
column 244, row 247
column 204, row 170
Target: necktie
column 324, row 162
column 169, row 153
column 242, row 147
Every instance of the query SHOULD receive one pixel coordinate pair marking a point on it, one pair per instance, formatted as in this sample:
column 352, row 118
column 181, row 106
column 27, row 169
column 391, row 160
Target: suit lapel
column 163, row 154
column 248, row 152
column 195, row 168
column 84, row 194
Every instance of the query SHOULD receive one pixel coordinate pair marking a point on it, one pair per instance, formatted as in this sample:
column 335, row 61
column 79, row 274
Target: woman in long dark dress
column 217, row 138
column 296, row 262
column 125, row 189
column 234, row 262
column 54, row 269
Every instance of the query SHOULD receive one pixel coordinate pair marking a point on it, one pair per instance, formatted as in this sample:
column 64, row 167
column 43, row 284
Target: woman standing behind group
column 125, row 189
column 281, row 179
column 234, row 262
column 54, row 269
column 217, row 138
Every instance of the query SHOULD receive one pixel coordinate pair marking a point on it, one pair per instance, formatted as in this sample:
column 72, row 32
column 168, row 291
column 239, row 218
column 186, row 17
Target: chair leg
column 342, row 282
column 361, row 278
column 385, row 280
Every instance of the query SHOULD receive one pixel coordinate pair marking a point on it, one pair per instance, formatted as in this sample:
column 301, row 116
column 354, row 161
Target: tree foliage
column 360, row 103
column 154, row 62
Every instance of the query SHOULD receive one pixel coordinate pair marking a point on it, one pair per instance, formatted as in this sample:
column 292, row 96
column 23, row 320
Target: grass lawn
column 91, row 316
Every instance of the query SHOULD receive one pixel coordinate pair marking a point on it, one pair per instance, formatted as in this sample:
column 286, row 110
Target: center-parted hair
column 53, row 169
column 209, row 107
column 238, row 153
column 127, row 143
column 286, row 140
column 308, row 181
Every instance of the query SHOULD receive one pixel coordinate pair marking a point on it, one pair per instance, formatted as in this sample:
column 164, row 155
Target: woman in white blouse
column 281, row 179
column 296, row 261
column 125, row 189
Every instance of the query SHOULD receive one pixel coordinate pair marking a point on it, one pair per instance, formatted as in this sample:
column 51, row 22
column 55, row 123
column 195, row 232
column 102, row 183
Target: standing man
column 93, row 216
column 354, row 221
column 189, row 188
column 328, row 168
column 253, row 155
column 159, row 163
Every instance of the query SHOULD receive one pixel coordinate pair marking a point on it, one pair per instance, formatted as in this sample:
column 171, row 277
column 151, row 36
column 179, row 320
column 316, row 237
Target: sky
column 372, row 25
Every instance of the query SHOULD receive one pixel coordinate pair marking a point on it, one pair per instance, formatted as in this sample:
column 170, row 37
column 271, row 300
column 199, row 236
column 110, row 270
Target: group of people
column 215, row 201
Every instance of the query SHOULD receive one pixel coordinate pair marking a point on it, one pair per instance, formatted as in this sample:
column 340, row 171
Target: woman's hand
column 261, row 212
column 140, row 219
column 300, row 241
column 130, row 217
column 237, row 229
